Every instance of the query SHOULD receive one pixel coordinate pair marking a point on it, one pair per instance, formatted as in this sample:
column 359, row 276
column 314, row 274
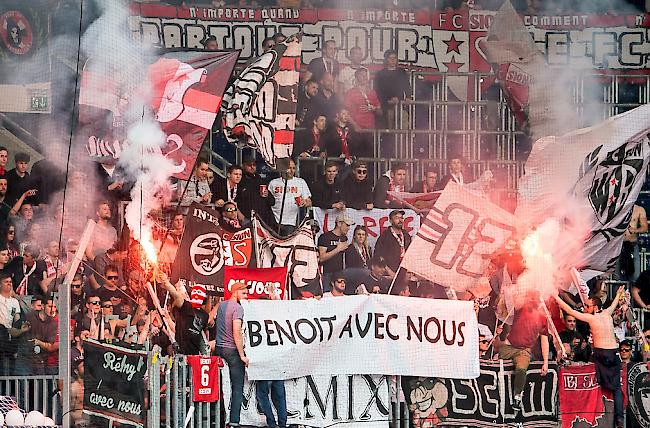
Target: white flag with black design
column 589, row 180
column 297, row 252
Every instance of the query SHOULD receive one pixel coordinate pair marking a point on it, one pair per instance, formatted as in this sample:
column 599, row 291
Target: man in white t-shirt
column 298, row 196
column 9, row 312
column 346, row 80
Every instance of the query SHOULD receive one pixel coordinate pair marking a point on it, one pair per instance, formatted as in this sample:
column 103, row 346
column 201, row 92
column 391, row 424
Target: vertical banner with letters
column 206, row 248
column 458, row 238
column 322, row 401
column 114, row 382
column 361, row 334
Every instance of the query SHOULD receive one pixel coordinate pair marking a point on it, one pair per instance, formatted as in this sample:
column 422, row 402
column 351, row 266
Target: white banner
column 458, row 238
column 375, row 221
column 321, row 401
column 588, row 180
column 375, row 334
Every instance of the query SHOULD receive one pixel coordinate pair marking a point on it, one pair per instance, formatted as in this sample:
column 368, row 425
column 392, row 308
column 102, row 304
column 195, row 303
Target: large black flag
column 206, row 248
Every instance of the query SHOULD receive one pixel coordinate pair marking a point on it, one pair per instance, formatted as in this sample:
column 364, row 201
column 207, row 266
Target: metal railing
column 34, row 393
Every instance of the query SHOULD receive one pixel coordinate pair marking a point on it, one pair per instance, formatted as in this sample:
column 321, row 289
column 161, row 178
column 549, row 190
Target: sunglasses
column 232, row 209
column 93, row 303
column 112, row 277
column 362, row 171
column 484, row 341
column 340, row 280
column 75, row 285
column 625, row 350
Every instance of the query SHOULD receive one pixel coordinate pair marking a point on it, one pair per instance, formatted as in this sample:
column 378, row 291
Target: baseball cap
column 345, row 219
column 197, row 295
column 238, row 286
column 395, row 212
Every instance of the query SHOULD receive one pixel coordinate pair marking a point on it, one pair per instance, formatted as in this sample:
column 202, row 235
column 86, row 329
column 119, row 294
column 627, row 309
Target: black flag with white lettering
column 206, row 248
column 114, row 382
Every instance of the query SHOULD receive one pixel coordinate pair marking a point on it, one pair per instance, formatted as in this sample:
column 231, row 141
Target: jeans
column 237, row 371
column 279, row 398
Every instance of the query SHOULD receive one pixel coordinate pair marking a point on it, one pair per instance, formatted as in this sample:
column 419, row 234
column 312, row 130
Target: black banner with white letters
column 114, row 382
column 485, row 401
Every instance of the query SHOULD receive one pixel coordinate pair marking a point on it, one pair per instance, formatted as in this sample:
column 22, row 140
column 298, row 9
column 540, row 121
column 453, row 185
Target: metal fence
column 34, row 393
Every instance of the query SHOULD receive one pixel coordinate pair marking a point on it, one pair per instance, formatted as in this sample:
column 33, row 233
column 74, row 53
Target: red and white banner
column 361, row 334
column 205, row 378
column 583, row 400
column 184, row 91
column 458, row 238
column 375, row 221
column 440, row 40
column 263, row 283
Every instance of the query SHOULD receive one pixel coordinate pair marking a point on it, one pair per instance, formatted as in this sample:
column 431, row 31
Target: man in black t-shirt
column 191, row 318
column 332, row 246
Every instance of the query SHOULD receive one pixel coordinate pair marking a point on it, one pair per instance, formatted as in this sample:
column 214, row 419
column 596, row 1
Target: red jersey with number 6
column 205, row 377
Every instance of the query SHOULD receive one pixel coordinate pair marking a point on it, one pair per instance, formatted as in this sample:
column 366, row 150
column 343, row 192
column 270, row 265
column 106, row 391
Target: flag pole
column 394, row 279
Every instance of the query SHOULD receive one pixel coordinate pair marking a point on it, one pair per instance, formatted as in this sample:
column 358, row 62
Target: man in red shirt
column 362, row 101
column 529, row 324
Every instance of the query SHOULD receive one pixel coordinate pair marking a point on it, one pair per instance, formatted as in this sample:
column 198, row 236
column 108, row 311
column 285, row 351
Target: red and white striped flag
column 417, row 201
column 458, row 238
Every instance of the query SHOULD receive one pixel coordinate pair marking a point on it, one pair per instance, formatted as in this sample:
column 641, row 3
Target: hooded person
column 191, row 317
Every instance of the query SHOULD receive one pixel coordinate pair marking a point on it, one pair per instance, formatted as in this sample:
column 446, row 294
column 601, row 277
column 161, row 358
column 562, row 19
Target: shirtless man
column 638, row 224
column 605, row 351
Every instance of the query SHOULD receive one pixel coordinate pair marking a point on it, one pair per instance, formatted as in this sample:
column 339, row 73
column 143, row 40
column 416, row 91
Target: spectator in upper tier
column 4, row 157
column 254, row 192
column 226, row 190
column 197, row 188
column 297, row 196
column 455, row 167
column 357, row 188
column 267, row 44
column 327, row 63
column 27, row 273
column 327, row 101
column 309, row 141
column 392, row 86
column 210, row 43
column 310, row 147
column 343, row 141
column 429, row 184
column 393, row 181
column 359, row 253
column 346, row 78
column 305, row 109
column 394, row 241
column 19, row 181
column 362, row 101
column 327, row 192
column 104, row 234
